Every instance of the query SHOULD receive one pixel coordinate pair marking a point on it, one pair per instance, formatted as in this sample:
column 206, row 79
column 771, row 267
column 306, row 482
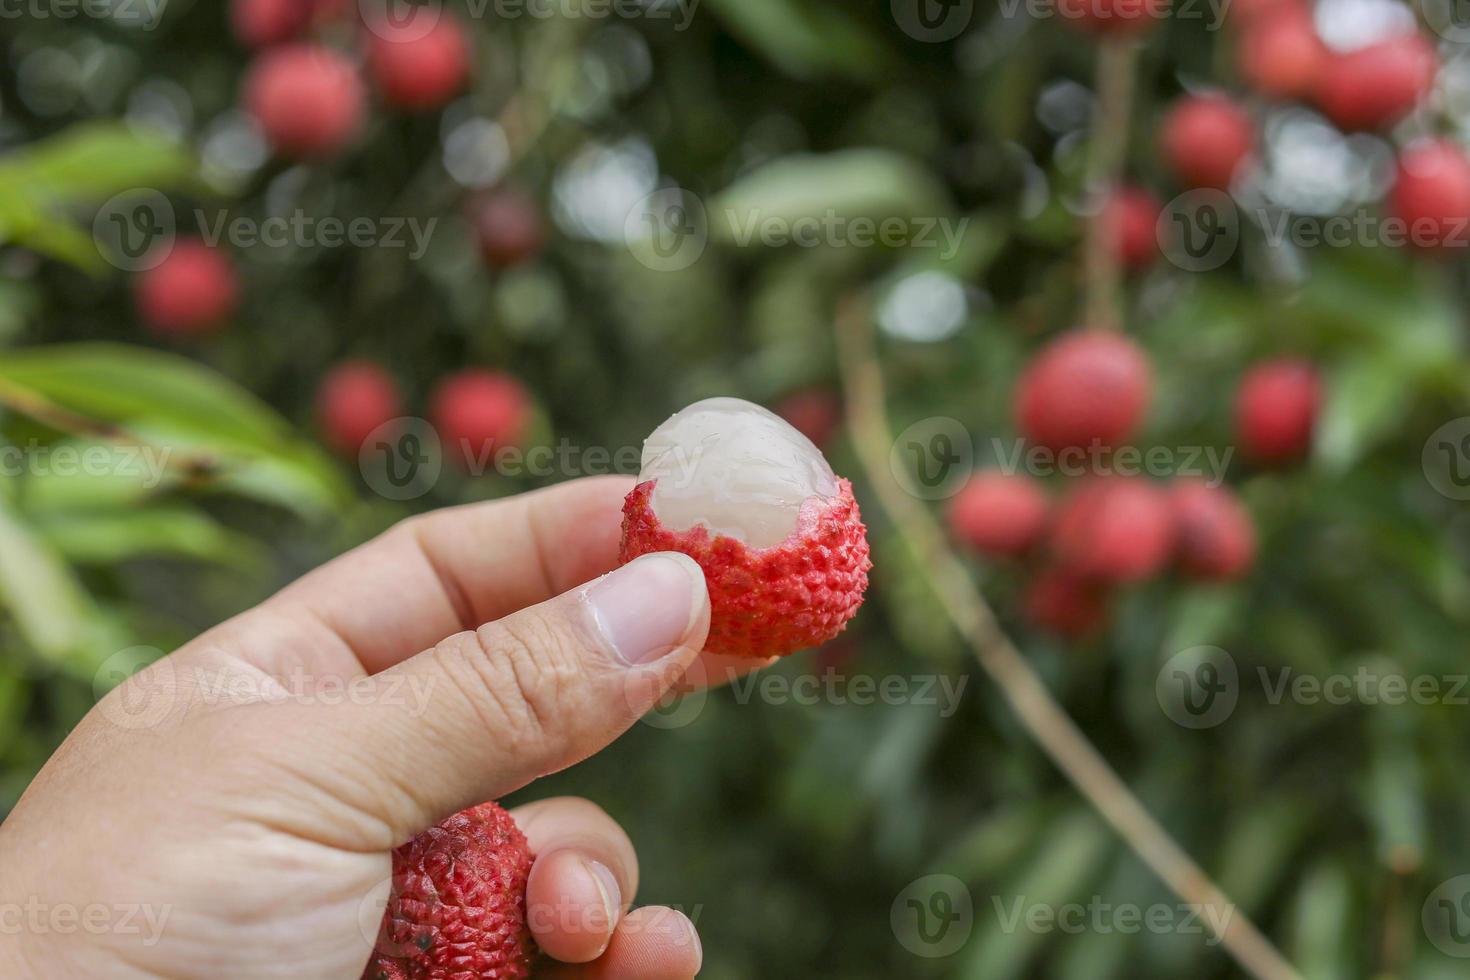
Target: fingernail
column 694, row 941
column 647, row 609
column 607, row 887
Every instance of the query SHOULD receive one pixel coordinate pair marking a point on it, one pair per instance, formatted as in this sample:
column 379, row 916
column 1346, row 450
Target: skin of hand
column 230, row 810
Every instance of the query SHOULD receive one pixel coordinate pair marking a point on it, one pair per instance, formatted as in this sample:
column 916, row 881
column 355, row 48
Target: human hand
column 230, row 811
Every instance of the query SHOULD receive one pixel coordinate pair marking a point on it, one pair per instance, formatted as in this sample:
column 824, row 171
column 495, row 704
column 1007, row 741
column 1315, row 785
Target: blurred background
column 275, row 275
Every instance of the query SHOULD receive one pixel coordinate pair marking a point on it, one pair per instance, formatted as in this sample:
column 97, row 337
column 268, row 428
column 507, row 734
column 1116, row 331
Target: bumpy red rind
column 458, row 904
column 768, row 602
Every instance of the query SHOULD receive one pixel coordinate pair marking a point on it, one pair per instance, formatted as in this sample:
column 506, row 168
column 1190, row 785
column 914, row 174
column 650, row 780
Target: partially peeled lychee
column 778, row 535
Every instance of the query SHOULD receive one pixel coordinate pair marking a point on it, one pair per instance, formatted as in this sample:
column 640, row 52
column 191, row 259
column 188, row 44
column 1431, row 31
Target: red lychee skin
column 1281, row 55
column 418, row 70
column 814, row 412
column 477, row 412
column 1216, row 536
column 768, row 602
column 307, row 100
column 1130, row 216
column 354, row 399
column 1112, row 16
column 457, row 910
column 1276, row 410
column 1116, row 529
column 999, row 514
column 1431, row 194
column 193, row 291
column 1245, row 14
column 1065, row 603
column 1206, row 139
column 508, row 226
column 258, row 23
column 1378, row 85
column 1086, row 387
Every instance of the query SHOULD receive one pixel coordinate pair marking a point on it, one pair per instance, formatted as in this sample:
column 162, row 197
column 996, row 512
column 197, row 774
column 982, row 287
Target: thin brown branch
column 1047, row 722
column 1116, row 61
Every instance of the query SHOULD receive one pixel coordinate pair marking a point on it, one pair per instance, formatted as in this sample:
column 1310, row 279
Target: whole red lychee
column 457, row 908
column 1116, row 529
column 1130, row 218
column 307, row 100
column 1206, row 139
column 508, row 226
column 193, row 291
column 1086, row 388
column 416, row 68
column 1216, row 536
column 1113, row 16
column 1431, row 194
column 1376, row 86
column 1001, row 514
column 779, row 537
column 1062, row 602
column 1276, row 410
column 478, row 412
column 814, row 412
column 258, row 23
column 354, row 399
column 1281, row 55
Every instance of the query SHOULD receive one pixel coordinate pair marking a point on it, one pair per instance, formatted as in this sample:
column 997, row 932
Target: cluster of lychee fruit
column 1089, row 391
column 476, row 412
column 1208, row 139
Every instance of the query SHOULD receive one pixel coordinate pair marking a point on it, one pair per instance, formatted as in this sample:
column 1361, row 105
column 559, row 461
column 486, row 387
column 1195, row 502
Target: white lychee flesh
column 734, row 468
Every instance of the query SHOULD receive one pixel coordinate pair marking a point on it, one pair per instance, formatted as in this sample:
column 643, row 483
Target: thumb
column 484, row 713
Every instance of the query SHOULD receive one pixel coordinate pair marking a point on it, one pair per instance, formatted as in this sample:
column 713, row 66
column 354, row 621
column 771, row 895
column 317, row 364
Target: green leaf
column 176, row 532
column 49, row 606
column 1367, row 401
column 866, row 183
column 187, row 413
column 805, row 39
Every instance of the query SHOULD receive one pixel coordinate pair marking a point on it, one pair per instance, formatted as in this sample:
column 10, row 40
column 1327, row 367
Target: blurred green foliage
column 786, row 830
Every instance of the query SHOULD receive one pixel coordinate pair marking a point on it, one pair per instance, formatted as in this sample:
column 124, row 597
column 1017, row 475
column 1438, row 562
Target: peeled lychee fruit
column 307, row 100
column 1431, row 194
column 1001, row 514
column 477, row 412
column 416, row 69
column 356, row 398
column 1206, row 139
column 1112, row 16
column 457, row 909
column 1066, row 603
column 780, row 539
column 1086, row 387
column 1216, row 536
column 1376, row 86
column 1130, row 217
column 508, row 226
column 1281, row 55
column 258, row 23
column 1276, row 410
column 192, row 291
column 1115, row 529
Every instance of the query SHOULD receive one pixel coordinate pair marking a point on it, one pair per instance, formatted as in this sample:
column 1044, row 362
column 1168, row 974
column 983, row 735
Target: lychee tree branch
column 1046, row 721
column 1117, row 60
